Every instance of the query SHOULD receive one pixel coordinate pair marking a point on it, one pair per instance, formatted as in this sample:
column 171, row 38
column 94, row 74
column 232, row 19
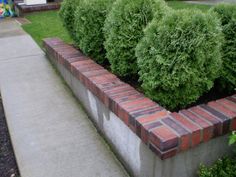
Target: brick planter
column 22, row 9
column 138, row 128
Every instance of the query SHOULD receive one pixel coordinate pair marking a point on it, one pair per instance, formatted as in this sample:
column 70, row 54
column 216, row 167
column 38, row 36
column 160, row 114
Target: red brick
column 59, row 50
column 223, row 118
column 122, row 98
column 108, row 85
column 69, row 53
column 196, row 138
column 152, row 117
column 146, row 128
column 202, row 123
column 129, row 96
column 136, row 122
column 161, row 154
column 93, row 84
column 185, row 142
column 138, row 104
column 163, row 138
column 218, row 126
column 130, row 92
column 114, row 99
column 106, row 78
column 106, row 98
column 227, row 103
column 69, row 61
column 135, row 108
column 123, row 115
column 64, row 53
column 82, row 60
column 222, row 109
column 117, row 89
column 194, row 129
column 183, row 133
column 186, row 122
column 148, row 110
column 81, row 63
column 89, row 67
column 207, row 127
column 109, row 91
column 91, row 74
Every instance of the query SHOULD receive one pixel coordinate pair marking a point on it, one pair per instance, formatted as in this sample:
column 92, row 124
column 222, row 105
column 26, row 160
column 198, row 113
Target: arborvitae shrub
column 227, row 15
column 124, row 28
column 89, row 21
column 67, row 14
column 179, row 57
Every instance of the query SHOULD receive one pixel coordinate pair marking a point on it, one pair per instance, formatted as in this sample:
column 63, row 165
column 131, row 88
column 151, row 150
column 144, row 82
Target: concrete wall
column 136, row 156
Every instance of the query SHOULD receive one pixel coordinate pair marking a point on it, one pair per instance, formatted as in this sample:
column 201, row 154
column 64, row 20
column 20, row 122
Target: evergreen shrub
column 179, row 57
column 124, row 28
column 89, row 21
column 67, row 14
column 227, row 15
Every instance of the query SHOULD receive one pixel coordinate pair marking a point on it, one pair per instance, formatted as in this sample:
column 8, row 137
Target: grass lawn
column 44, row 25
column 184, row 5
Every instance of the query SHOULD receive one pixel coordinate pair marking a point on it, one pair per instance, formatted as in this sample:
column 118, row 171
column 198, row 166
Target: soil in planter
column 213, row 94
column 8, row 166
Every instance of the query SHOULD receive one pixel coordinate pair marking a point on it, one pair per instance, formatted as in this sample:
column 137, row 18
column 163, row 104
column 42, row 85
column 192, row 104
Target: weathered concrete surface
column 51, row 134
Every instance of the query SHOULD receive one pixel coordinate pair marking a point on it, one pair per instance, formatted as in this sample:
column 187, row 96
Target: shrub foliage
column 225, row 167
column 89, row 21
column 67, row 15
column 179, row 57
column 123, row 29
column 227, row 15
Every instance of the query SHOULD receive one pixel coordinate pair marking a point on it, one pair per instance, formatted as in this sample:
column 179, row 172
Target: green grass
column 44, row 25
column 184, row 5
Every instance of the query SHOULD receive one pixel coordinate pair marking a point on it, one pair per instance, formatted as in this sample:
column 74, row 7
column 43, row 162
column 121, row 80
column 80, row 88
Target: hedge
column 227, row 15
column 67, row 15
column 89, row 21
column 179, row 57
column 123, row 29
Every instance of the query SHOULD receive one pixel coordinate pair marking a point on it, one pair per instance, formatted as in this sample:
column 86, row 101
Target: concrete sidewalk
column 51, row 134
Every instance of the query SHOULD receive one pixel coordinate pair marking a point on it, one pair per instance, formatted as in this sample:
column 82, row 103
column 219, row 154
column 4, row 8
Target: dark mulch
column 8, row 166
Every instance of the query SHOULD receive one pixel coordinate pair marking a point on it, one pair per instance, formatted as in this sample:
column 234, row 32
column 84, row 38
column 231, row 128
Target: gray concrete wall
column 136, row 156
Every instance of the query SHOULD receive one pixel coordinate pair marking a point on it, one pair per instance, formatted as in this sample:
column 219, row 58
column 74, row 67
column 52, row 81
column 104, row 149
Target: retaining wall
column 150, row 140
